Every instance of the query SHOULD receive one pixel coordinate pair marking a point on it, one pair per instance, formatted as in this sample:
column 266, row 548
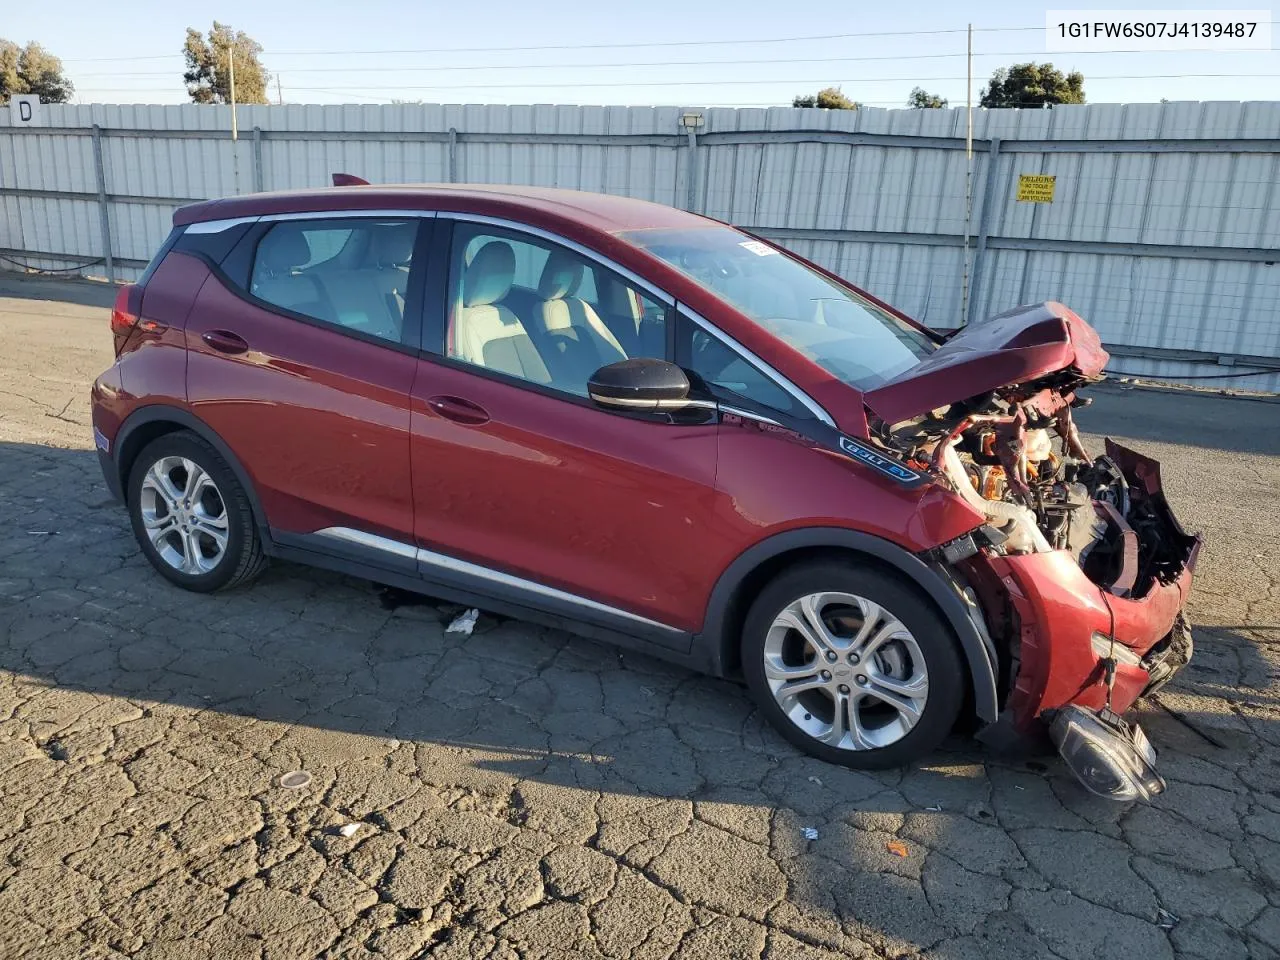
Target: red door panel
column 607, row 507
column 318, row 418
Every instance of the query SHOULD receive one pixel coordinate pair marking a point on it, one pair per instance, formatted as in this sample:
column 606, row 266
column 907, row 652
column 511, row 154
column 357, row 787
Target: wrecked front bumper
column 1065, row 627
column 1082, row 651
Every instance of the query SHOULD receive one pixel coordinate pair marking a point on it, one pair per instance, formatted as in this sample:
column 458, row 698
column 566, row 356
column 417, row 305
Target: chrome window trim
column 747, row 414
column 654, row 292
column 216, row 226
column 805, row 400
column 344, row 215
column 441, row 561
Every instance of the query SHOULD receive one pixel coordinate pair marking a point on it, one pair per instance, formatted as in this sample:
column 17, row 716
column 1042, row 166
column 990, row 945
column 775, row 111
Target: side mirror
column 642, row 385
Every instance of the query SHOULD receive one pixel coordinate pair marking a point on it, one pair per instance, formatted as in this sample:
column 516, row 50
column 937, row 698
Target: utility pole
column 231, row 58
column 235, row 129
column 279, row 94
column 968, row 181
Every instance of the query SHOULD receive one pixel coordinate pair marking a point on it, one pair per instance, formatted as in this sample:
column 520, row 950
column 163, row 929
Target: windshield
column 848, row 336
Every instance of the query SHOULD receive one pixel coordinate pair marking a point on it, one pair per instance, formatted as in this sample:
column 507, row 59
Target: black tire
column 242, row 560
column 946, row 673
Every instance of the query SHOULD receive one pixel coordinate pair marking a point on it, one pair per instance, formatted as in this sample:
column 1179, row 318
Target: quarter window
column 353, row 273
column 532, row 309
column 729, row 376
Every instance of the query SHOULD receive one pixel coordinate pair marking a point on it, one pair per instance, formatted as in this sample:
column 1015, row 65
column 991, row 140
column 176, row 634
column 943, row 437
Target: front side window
column 353, row 273
column 530, row 308
column 845, row 334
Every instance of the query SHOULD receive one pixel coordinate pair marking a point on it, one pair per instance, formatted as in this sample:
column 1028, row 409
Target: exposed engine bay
column 1015, row 455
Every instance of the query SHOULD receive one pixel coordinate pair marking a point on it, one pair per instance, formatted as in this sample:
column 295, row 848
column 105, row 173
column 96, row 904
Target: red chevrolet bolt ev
column 652, row 428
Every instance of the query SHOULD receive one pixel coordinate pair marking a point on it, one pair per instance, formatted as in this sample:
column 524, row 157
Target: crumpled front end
column 1081, row 569
column 1100, row 625
column 1093, row 623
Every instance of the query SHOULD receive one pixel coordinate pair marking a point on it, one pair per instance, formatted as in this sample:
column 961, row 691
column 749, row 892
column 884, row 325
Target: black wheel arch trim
column 716, row 645
column 185, row 419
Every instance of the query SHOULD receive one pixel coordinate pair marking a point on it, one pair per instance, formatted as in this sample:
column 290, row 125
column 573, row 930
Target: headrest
column 617, row 298
column 561, row 275
column 393, row 243
column 489, row 276
column 283, row 249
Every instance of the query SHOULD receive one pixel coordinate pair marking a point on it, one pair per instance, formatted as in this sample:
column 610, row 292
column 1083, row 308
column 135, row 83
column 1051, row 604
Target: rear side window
column 350, row 272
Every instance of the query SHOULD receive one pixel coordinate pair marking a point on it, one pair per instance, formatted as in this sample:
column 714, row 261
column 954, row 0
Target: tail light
column 124, row 315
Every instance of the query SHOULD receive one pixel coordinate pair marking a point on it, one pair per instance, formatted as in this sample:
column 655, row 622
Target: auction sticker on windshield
column 758, row 248
column 1073, row 31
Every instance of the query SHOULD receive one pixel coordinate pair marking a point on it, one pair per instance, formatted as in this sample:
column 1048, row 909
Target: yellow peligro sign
column 1036, row 187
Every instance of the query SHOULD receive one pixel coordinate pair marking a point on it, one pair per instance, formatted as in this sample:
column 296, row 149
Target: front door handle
column 224, row 341
column 459, row 410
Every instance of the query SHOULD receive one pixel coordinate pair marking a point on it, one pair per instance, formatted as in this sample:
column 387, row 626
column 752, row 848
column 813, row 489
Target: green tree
column 830, row 98
column 208, row 73
column 32, row 69
column 1033, row 85
column 921, row 99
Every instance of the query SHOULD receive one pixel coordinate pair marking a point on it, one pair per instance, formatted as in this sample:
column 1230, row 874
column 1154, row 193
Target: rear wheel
column 191, row 516
column 852, row 666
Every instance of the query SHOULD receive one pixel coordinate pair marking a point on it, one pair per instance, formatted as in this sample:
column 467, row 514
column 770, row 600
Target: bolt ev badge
column 883, row 464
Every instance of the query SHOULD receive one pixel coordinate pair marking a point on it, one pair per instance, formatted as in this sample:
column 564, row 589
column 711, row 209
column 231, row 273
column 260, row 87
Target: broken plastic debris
column 936, row 808
column 815, row 780
column 348, row 829
column 897, row 848
column 1164, row 919
column 464, row 622
column 810, row 833
column 295, row 780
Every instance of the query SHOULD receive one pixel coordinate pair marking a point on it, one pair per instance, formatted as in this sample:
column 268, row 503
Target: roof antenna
column 349, row 180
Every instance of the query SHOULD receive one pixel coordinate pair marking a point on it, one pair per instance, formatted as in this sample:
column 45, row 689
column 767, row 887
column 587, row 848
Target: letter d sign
column 23, row 109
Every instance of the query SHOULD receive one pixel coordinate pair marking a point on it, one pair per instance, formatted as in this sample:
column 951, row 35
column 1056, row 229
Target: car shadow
column 86, row 293
column 1205, row 420
column 666, row 771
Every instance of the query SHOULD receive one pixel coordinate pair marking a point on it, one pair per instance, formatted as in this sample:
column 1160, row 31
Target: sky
column 682, row 52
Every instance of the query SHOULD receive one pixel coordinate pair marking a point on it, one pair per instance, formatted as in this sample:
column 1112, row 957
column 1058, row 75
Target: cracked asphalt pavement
column 525, row 793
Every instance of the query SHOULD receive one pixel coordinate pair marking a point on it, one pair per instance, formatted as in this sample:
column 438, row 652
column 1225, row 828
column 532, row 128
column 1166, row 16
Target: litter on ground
column 464, row 622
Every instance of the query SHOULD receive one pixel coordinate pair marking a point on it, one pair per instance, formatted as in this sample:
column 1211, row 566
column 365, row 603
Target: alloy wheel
column 846, row 671
column 184, row 515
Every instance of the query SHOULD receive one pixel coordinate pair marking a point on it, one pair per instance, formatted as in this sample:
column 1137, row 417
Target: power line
column 434, row 68
column 802, row 83
column 579, row 46
column 789, row 82
column 580, row 66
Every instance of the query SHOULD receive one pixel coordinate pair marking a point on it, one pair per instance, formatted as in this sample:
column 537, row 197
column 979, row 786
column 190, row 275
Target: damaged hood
column 1019, row 346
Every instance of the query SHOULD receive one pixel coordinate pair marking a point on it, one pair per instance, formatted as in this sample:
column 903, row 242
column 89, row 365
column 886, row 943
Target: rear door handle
column 459, row 410
column 224, row 341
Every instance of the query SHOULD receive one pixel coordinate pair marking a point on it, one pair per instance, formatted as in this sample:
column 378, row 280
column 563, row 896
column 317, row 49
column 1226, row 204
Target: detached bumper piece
column 1111, row 758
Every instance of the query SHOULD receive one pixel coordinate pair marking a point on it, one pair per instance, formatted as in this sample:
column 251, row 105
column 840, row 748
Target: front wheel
column 191, row 516
column 852, row 666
